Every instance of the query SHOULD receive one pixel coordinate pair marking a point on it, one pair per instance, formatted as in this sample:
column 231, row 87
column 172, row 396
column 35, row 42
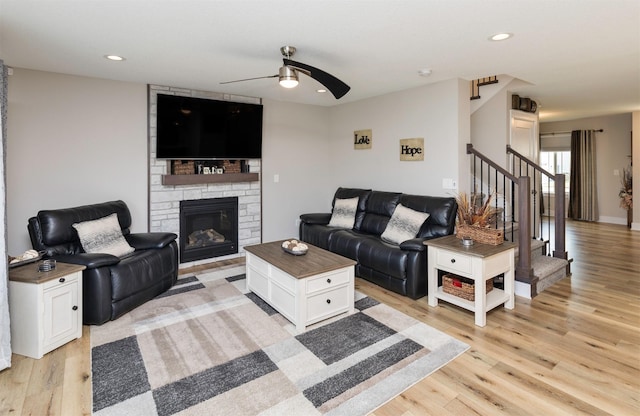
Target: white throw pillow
column 344, row 213
column 403, row 225
column 103, row 236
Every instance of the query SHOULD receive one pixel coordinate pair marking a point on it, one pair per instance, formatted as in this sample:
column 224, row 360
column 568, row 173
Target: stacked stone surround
column 164, row 200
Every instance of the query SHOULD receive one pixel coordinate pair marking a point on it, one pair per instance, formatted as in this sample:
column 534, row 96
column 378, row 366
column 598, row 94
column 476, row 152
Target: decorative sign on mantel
column 411, row 149
column 362, row 139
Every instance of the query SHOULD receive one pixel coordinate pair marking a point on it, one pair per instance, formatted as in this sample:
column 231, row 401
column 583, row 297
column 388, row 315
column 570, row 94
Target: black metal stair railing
column 512, row 203
column 552, row 232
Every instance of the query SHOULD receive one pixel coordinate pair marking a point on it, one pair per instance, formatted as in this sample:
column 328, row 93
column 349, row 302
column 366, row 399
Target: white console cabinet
column 45, row 308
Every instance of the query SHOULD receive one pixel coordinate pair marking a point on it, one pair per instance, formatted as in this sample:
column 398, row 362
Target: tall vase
column 629, row 217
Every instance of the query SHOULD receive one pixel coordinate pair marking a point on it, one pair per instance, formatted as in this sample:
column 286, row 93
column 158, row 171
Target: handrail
column 559, row 249
column 524, row 270
column 530, row 162
column 473, row 151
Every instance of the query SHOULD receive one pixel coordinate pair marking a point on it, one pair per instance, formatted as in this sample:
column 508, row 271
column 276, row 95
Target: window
column 555, row 162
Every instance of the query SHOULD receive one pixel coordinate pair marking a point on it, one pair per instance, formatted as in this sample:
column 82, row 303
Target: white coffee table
column 304, row 289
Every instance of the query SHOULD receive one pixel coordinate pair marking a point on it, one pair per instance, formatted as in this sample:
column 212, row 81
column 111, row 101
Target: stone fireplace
column 166, row 196
column 208, row 228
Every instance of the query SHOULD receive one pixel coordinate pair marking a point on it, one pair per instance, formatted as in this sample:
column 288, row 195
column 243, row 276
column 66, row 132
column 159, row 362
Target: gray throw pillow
column 344, row 213
column 103, row 235
column 403, row 225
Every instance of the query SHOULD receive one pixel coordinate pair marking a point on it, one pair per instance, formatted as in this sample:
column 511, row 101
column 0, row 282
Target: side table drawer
column 70, row 278
column 453, row 261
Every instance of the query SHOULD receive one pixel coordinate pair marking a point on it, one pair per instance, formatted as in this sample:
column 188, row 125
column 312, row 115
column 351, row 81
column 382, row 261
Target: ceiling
column 579, row 58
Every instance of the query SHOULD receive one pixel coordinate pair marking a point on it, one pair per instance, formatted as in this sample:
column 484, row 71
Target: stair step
column 537, row 248
column 548, row 270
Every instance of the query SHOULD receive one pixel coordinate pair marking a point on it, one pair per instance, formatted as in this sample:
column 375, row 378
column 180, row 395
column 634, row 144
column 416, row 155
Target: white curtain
column 583, row 193
column 5, row 334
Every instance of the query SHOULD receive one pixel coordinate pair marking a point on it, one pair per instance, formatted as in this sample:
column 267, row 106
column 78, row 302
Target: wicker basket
column 481, row 235
column 183, row 167
column 462, row 287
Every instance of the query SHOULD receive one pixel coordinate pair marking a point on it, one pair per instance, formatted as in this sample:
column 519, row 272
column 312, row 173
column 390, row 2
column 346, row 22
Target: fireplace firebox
column 208, row 228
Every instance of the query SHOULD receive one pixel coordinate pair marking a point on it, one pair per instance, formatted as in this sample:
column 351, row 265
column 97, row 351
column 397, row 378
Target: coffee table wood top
column 316, row 260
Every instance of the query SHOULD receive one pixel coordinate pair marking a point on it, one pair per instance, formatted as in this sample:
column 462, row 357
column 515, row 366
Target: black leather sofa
column 111, row 285
column 400, row 268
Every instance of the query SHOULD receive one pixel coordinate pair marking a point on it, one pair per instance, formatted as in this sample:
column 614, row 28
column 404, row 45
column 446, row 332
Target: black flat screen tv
column 197, row 128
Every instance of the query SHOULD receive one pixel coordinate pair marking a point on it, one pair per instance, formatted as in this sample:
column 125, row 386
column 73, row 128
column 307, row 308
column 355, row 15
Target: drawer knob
column 75, row 308
column 61, row 280
column 453, row 260
column 328, row 300
column 328, row 280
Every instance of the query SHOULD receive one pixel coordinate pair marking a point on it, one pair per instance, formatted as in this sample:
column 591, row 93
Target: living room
column 90, row 143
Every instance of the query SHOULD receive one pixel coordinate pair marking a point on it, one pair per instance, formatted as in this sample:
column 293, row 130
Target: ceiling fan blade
column 249, row 79
column 333, row 84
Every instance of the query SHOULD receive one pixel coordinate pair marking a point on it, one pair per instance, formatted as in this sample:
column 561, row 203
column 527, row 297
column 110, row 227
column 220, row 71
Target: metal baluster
column 549, row 214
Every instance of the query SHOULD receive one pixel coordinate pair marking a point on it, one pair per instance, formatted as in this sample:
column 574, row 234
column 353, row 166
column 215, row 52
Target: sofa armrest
column 89, row 260
column 317, row 218
column 415, row 244
column 145, row 241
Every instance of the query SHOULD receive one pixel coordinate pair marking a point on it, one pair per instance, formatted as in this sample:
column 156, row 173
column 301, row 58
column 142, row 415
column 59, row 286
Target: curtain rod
column 567, row 132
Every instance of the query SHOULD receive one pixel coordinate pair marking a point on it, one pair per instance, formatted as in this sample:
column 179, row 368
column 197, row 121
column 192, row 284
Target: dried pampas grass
column 470, row 213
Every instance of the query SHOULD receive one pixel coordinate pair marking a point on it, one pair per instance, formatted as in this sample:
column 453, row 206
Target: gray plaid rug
column 208, row 347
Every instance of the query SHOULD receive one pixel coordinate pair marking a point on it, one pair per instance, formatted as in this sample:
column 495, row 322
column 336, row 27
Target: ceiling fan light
column 288, row 77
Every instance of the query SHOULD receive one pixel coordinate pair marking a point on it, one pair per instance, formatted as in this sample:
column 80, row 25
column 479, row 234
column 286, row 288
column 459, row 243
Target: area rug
column 209, row 347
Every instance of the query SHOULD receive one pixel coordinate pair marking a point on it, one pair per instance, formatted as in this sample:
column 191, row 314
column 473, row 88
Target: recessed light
column 501, row 36
column 321, row 90
column 114, row 57
column 424, row 72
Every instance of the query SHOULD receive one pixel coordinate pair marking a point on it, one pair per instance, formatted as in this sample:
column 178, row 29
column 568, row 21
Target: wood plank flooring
column 574, row 349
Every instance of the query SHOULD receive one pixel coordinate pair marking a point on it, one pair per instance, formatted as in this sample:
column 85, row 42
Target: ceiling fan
column 288, row 74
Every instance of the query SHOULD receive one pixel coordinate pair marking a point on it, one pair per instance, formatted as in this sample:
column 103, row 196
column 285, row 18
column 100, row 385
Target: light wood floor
column 574, row 349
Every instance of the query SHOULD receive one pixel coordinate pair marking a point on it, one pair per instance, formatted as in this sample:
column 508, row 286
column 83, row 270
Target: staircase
column 544, row 261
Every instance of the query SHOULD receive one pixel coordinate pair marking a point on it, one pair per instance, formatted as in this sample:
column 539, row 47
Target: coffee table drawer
column 327, row 304
column 327, row 281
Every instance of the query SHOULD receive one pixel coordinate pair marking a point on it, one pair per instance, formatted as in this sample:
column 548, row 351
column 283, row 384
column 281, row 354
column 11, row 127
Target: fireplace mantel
column 214, row 178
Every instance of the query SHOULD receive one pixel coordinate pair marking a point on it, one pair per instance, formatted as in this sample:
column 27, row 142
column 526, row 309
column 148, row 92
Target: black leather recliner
column 400, row 268
column 111, row 285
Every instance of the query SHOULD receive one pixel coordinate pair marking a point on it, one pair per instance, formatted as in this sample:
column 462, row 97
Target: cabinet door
column 60, row 314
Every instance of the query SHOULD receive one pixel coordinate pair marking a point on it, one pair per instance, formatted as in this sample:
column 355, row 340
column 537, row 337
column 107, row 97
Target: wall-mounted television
column 198, row 128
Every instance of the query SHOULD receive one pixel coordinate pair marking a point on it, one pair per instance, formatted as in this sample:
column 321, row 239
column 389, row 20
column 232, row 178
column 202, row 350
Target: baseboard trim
column 522, row 289
column 613, row 220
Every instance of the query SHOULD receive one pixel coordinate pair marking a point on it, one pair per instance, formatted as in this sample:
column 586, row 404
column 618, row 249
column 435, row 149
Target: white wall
column 73, row 141
column 296, row 149
column 435, row 112
column 613, row 146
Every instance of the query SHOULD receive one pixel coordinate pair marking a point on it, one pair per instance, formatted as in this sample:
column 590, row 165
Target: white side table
column 479, row 262
column 45, row 308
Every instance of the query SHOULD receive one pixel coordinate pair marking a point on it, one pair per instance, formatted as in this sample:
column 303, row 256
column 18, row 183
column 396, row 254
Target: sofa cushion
column 103, row 236
column 53, row 228
column 380, row 207
column 403, row 225
column 138, row 272
column 344, row 213
column 346, row 243
column 386, row 258
column 442, row 213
